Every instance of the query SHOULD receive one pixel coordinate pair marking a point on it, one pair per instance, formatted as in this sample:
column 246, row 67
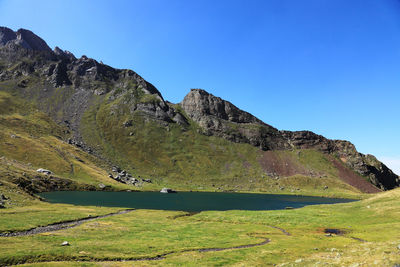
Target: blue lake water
column 187, row 201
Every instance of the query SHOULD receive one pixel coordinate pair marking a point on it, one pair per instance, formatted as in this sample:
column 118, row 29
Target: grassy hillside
column 186, row 159
column 171, row 155
column 31, row 140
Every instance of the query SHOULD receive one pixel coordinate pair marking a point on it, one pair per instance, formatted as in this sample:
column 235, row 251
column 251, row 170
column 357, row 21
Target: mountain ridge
column 68, row 88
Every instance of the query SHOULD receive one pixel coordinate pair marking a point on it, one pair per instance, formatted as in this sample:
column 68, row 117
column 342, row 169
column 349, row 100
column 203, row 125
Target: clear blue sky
column 329, row 66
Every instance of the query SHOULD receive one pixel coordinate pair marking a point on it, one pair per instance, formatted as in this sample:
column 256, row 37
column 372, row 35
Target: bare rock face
column 366, row 165
column 64, row 54
column 221, row 118
column 29, row 40
column 24, row 38
column 199, row 103
column 6, row 35
column 308, row 140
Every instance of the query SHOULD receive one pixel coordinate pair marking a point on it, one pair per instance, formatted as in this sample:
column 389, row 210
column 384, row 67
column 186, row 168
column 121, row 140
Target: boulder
column 102, row 186
column 65, row 243
column 116, row 169
column 167, row 191
column 128, row 123
column 44, row 171
column 131, row 181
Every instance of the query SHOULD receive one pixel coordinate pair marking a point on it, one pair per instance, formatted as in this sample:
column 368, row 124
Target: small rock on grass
column 65, row 243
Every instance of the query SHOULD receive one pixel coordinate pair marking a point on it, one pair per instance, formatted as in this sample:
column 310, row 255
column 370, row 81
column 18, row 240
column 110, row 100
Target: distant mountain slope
column 203, row 142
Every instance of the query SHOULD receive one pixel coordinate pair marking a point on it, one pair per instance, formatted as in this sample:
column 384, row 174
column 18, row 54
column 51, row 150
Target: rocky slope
column 221, row 118
column 120, row 118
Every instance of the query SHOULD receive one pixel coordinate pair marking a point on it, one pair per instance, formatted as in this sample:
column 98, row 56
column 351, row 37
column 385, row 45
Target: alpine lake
column 187, row 201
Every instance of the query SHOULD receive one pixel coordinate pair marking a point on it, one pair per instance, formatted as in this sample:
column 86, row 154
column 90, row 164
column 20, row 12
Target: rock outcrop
column 24, row 38
column 6, row 35
column 123, row 176
column 221, row 118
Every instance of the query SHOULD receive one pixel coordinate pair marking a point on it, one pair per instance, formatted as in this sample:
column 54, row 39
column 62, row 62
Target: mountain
column 79, row 117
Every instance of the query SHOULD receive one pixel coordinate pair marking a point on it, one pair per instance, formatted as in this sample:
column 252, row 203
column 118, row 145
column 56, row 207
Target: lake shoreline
column 188, row 201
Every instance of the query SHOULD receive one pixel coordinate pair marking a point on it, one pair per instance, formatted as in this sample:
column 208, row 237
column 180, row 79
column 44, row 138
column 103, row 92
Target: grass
column 42, row 213
column 147, row 233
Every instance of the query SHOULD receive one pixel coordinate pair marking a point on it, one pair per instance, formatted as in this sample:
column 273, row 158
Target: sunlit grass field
column 370, row 236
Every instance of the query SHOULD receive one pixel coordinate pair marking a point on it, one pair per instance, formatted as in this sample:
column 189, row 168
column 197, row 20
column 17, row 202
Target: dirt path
column 75, row 223
column 162, row 256
column 194, row 213
column 60, row 225
column 280, row 229
column 153, row 258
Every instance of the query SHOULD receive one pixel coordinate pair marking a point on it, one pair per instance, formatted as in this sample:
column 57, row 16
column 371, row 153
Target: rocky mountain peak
column 31, row 41
column 6, row 35
column 221, row 118
column 24, row 38
column 64, row 54
column 199, row 103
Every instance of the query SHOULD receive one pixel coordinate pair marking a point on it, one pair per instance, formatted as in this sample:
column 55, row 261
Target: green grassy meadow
column 371, row 236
